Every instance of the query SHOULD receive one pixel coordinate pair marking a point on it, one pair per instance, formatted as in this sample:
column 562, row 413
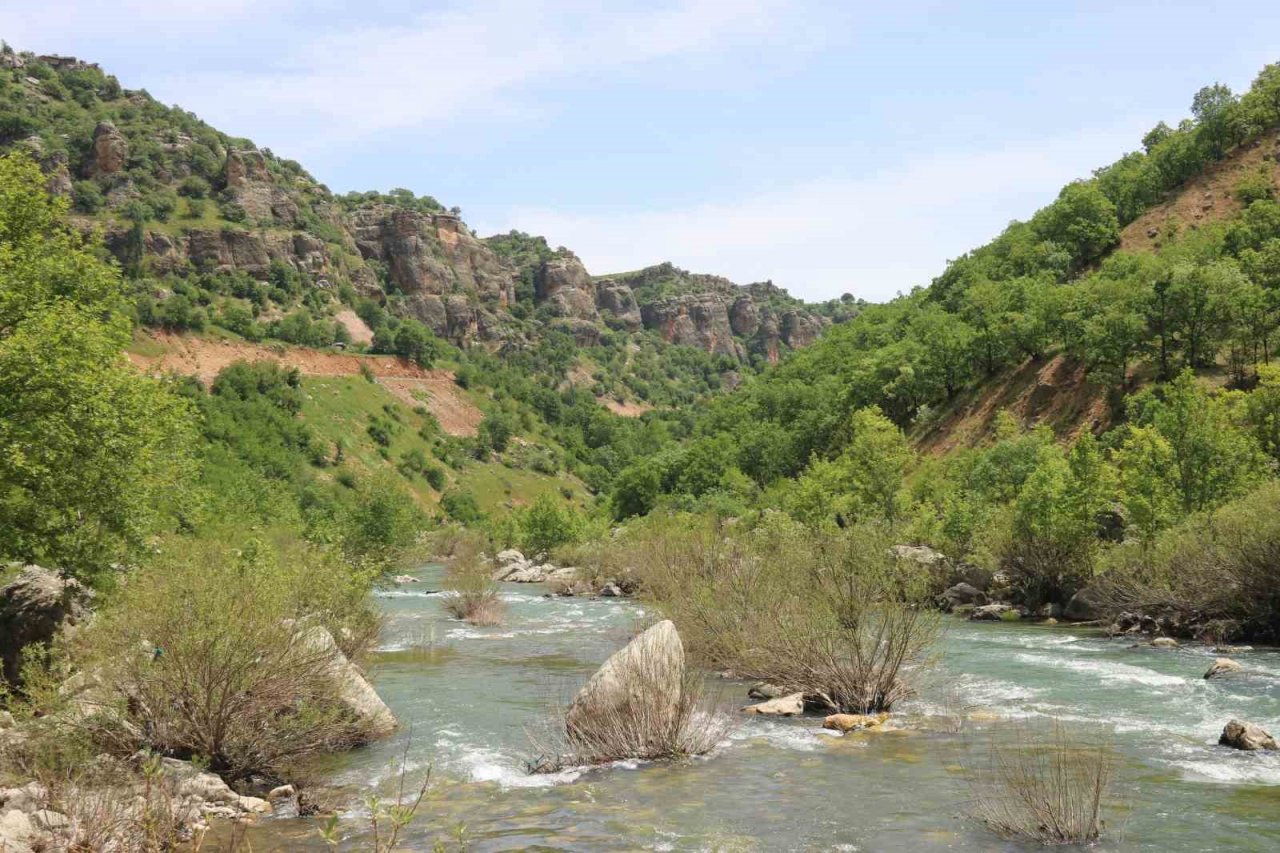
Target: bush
column 1045, row 790
column 205, row 645
column 473, row 594
column 828, row 615
column 462, row 507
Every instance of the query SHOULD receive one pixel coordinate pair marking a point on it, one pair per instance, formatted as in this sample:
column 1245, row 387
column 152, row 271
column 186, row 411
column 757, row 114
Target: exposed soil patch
column 435, row 389
column 629, row 409
column 1208, row 197
column 1055, row 392
column 357, row 328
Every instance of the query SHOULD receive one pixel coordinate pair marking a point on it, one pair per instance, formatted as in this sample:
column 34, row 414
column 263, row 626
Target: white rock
column 49, row 821
column 354, row 691
column 1222, row 666
column 15, row 831
column 648, row 670
column 254, row 805
column 784, row 706
column 511, row 555
column 284, row 792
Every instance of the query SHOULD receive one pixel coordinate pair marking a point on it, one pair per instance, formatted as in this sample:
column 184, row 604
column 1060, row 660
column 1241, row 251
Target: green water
column 786, row 784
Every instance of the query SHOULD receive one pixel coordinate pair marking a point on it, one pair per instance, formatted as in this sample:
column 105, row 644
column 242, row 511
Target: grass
column 1047, row 789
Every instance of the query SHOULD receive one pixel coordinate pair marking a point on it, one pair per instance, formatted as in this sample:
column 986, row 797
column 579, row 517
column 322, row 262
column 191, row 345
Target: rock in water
column 640, row 684
column 1246, row 736
column 990, row 613
column 765, row 690
column 853, row 722
column 34, row 606
column 785, row 706
column 1164, row 643
column 1222, row 666
column 353, row 690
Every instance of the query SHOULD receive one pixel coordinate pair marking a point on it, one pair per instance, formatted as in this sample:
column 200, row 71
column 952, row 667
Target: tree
column 1213, row 108
column 88, row 446
column 1082, row 220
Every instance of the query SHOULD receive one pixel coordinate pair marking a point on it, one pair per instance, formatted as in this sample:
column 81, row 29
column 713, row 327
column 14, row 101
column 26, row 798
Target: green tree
column 88, row 446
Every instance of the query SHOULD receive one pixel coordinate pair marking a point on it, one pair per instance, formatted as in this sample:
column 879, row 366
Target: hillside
column 227, row 228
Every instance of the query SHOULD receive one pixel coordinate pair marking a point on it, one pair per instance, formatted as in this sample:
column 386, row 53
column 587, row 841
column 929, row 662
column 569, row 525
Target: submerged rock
column 407, row 579
column 784, row 706
column 1246, row 736
column 1222, row 666
column 854, row 722
column 1232, row 650
column 647, row 673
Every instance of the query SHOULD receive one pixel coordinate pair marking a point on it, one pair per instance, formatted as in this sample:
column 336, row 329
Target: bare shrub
column 1048, row 789
column 826, row 614
column 387, row 819
column 473, row 594
column 653, row 720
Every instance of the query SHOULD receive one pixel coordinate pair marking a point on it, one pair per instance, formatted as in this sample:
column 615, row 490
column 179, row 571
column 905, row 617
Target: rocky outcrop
column 564, row 285
column 1246, row 736
column 34, row 607
column 618, row 300
column 110, row 151
column 697, row 320
column 432, row 254
column 647, row 673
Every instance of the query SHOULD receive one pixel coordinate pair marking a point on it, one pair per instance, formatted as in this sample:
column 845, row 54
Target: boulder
column 284, row 792
column 647, row 673
column 961, row 593
column 407, row 579
column 511, row 555
column 15, row 831
column 1164, row 643
column 26, row 798
column 791, row 705
column 1086, row 605
column 853, row 722
column 611, row 590
column 110, row 151
column 254, row 805
column 527, row 574
column 190, row 781
column 1222, row 666
column 764, row 690
column 1246, row 736
column 1232, row 650
column 354, row 691
column 991, row 613
column 34, row 606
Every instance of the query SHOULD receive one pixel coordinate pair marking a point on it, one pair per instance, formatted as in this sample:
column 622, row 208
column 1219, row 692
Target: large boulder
column 34, row 606
column 994, row 613
column 791, row 705
column 1222, row 666
column 16, row 831
column 354, row 691
column 961, row 594
column 1087, row 605
column 1246, row 736
column 854, row 722
column 110, row 151
column 648, row 673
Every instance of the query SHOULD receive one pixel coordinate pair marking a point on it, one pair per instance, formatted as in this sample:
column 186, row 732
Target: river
column 465, row 696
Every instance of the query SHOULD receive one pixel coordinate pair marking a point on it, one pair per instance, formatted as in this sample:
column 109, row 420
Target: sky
column 829, row 147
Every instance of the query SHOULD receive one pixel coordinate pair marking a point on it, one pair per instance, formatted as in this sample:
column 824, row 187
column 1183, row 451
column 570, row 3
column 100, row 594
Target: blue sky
column 830, row 147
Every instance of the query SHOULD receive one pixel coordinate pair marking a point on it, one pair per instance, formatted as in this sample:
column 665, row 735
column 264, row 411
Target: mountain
column 181, row 203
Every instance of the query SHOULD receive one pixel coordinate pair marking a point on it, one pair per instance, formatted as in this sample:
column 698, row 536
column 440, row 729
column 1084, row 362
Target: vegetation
column 473, row 595
column 1049, row 791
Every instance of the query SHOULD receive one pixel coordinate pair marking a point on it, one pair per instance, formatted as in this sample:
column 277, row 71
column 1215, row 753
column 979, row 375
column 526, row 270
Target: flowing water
column 465, row 696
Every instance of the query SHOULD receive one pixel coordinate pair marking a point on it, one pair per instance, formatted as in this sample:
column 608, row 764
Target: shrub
column 828, row 615
column 473, row 594
column 1048, row 790
column 205, row 645
column 462, row 507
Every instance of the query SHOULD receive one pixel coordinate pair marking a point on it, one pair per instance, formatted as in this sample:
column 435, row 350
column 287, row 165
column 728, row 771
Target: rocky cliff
column 176, row 198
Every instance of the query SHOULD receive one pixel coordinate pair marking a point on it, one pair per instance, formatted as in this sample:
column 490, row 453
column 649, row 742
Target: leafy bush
column 462, row 507
column 547, row 525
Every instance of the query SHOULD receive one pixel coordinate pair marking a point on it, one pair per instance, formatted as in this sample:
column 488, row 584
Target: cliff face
column 175, row 197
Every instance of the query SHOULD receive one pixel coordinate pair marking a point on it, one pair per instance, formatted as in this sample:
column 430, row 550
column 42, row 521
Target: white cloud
column 871, row 236
column 460, row 61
